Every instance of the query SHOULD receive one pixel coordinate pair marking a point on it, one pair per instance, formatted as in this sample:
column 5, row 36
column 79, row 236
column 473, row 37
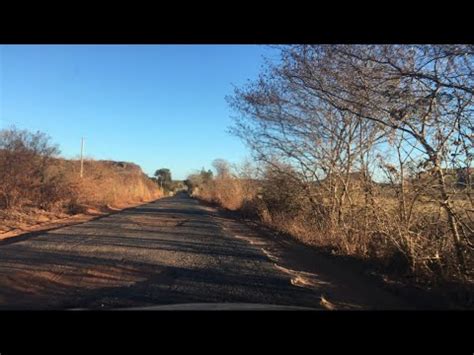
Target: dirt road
column 173, row 251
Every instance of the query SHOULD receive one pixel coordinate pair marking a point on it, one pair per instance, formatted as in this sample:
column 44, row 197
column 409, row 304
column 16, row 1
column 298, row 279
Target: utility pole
column 82, row 156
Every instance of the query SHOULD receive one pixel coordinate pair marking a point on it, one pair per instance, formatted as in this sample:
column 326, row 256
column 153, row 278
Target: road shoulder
column 37, row 226
column 343, row 282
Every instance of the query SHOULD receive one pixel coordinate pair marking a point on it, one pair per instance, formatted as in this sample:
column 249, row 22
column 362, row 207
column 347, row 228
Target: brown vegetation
column 226, row 189
column 366, row 150
column 36, row 184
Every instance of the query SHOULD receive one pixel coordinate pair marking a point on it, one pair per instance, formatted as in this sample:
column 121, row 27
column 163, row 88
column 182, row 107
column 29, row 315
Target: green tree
column 163, row 176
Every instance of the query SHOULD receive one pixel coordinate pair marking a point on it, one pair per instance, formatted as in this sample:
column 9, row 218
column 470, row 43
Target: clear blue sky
column 157, row 106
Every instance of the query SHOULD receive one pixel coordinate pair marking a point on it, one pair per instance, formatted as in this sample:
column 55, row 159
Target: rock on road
column 171, row 251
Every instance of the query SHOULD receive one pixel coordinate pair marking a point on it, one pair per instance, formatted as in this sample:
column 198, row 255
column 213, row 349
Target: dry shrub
column 343, row 115
column 107, row 183
column 24, row 160
column 32, row 176
column 226, row 189
column 227, row 193
column 363, row 219
column 367, row 225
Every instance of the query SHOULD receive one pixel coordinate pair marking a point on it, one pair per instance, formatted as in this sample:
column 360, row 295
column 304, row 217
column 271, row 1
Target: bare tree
column 424, row 92
column 327, row 111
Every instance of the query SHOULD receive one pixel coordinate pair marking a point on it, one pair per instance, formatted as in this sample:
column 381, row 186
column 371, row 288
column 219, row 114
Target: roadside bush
column 226, row 189
column 24, row 160
column 32, row 175
column 108, row 183
column 381, row 139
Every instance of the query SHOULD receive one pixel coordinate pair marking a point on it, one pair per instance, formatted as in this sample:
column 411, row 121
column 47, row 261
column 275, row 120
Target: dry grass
column 32, row 176
column 229, row 192
column 419, row 250
column 106, row 184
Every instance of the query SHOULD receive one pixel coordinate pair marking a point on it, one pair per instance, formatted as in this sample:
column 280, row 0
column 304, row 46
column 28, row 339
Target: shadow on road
column 167, row 252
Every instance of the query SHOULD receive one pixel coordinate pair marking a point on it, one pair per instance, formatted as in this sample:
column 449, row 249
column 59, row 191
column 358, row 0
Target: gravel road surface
column 171, row 251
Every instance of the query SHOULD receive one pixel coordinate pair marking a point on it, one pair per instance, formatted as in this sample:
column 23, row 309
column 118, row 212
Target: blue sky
column 157, row 106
